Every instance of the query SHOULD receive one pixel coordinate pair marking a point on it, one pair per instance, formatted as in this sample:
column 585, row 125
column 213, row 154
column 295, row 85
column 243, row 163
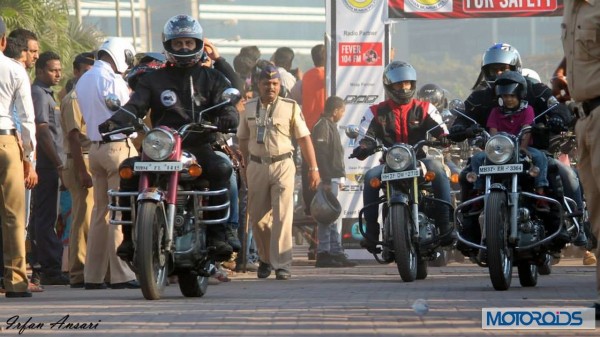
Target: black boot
column 126, row 249
column 217, row 243
column 232, row 238
column 372, row 237
column 446, row 237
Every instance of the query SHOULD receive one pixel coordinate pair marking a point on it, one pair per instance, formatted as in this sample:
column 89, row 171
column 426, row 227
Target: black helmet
column 434, row 94
column 143, row 68
column 183, row 26
column 511, row 83
column 325, row 207
column 396, row 72
column 499, row 54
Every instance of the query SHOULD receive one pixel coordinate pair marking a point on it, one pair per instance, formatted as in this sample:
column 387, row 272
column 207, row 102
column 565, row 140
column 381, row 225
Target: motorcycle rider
column 496, row 59
column 401, row 118
column 172, row 93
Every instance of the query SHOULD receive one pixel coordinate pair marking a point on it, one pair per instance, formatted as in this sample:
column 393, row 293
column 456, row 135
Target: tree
column 56, row 29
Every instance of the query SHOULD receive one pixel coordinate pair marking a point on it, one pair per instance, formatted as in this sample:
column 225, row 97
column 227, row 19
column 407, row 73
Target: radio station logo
column 360, row 6
column 438, row 6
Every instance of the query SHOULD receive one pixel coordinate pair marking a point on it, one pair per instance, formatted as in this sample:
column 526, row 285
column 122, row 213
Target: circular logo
column 360, row 6
column 168, row 98
column 429, row 5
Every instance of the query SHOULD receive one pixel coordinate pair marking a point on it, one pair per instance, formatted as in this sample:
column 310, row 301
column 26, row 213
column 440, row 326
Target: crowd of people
column 281, row 115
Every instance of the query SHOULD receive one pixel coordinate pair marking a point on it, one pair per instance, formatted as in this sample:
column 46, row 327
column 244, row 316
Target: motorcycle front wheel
column 499, row 254
column 405, row 253
column 151, row 257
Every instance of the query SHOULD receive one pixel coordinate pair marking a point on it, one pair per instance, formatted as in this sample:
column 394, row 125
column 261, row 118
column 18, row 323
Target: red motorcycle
column 170, row 214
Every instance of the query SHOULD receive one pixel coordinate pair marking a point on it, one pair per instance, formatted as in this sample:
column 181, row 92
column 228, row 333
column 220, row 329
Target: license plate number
column 144, row 166
column 499, row 169
column 399, row 175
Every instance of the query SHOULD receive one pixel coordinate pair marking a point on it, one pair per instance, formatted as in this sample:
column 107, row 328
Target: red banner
column 360, row 54
column 465, row 9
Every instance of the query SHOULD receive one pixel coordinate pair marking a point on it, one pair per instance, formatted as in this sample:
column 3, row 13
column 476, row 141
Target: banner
column 466, row 9
column 358, row 45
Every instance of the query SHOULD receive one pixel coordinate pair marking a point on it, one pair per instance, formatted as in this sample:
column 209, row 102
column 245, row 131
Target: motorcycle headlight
column 499, row 149
column 398, row 158
column 158, row 144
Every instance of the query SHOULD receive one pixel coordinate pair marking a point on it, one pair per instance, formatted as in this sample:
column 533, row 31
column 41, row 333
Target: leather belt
column 270, row 160
column 109, row 141
column 589, row 105
column 70, row 156
column 8, row 132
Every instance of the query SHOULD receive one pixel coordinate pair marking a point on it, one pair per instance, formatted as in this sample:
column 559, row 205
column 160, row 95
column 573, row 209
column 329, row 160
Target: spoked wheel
column 151, row 257
column 405, row 252
column 546, row 268
column 422, row 271
column 192, row 285
column 528, row 274
column 499, row 255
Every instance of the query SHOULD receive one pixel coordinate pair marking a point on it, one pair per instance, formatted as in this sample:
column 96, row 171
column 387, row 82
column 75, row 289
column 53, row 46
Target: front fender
column 151, row 193
column 498, row 187
column 399, row 198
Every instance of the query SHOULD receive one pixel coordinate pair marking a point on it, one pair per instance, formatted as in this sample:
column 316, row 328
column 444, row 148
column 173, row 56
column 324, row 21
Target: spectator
column 283, row 58
column 47, row 246
column 76, row 174
column 33, row 46
column 14, row 90
column 267, row 127
column 330, row 159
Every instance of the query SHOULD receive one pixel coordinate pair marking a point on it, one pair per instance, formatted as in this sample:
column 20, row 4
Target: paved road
column 368, row 300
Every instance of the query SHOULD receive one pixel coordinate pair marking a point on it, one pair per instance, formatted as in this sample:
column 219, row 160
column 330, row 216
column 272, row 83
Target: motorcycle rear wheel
column 151, row 258
column 405, row 252
column 528, row 274
column 499, row 255
column 192, row 284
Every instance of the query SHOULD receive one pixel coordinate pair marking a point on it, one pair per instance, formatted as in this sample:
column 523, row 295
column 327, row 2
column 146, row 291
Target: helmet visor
column 506, row 89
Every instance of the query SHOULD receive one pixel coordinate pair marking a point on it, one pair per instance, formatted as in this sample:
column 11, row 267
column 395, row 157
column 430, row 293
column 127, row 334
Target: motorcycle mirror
column 231, row 94
column 456, row 104
column 352, row 131
column 112, row 102
column 552, row 101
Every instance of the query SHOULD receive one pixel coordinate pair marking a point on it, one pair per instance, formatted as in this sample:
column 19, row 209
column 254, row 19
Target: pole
column 149, row 27
column 118, row 9
column 78, row 11
column 133, row 30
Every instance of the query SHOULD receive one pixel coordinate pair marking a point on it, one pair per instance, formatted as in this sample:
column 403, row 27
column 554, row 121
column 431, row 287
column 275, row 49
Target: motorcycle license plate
column 498, row 169
column 149, row 166
column 399, row 175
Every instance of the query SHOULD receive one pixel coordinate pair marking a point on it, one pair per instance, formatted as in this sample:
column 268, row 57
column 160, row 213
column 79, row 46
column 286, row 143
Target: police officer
column 402, row 118
column 581, row 53
column 267, row 127
column 167, row 93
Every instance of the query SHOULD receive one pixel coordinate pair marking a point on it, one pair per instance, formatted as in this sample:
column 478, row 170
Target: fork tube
column 171, row 206
column 514, row 210
column 415, row 206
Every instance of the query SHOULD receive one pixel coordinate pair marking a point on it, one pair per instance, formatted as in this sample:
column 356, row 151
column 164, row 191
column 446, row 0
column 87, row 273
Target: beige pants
column 587, row 130
column 82, row 202
column 12, row 212
column 103, row 239
column 271, row 210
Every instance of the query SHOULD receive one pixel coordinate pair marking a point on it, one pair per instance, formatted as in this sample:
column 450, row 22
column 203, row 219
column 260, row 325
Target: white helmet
column 533, row 76
column 121, row 51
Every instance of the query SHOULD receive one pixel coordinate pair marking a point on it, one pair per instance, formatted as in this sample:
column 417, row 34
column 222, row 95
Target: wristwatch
column 315, row 169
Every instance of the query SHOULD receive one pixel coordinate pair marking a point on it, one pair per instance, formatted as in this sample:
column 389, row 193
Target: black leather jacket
column 168, row 94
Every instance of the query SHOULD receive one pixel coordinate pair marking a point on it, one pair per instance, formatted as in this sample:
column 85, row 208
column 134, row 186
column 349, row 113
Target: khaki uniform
column 271, row 174
column 82, row 198
column 581, row 46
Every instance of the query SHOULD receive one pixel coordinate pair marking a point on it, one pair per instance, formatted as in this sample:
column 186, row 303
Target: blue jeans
column 441, row 190
column 329, row 235
column 538, row 157
column 570, row 181
column 234, row 208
